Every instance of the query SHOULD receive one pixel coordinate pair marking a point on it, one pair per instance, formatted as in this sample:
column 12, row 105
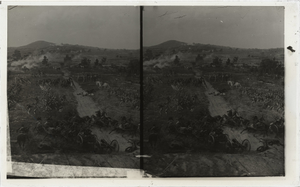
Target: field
column 57, row 110
column 244, row 103
column 210, row 106
column 25, row 99
column 204, row 107
column 162, row 107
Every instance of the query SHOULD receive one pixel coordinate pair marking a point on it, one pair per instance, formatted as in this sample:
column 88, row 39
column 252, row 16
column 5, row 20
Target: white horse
column 105, row 85
column 230, row 83
column 98, row 83
column 237, row 84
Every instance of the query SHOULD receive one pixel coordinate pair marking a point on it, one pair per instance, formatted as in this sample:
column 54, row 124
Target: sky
column 242, row 27
column 107, row 27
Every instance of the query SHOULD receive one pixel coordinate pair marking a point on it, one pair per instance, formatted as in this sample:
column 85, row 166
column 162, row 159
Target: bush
column 271, row 67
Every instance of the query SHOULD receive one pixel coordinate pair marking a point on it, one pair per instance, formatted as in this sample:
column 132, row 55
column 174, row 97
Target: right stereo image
column 213, row 91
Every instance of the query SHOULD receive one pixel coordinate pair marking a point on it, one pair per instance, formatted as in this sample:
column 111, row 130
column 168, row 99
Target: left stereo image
column 73, row 87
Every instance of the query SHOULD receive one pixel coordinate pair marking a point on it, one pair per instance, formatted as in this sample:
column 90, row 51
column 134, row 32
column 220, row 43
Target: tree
column 176, row 60
column 67, row 59
column 270, row 66
column 45, row 60
column 84, row 62
column 96, row 63
column 217, row 62
column 17, row 55
column 199, row 58
column 228, row 62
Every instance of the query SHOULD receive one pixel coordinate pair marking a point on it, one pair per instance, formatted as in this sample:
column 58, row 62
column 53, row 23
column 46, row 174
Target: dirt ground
column 87, row 107
column 217, row 105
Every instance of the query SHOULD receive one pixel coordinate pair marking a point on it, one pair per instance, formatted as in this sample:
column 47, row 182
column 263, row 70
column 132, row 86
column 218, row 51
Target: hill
column 169, row 44
column 162, row 54
column 38, row 45
column 35, row 52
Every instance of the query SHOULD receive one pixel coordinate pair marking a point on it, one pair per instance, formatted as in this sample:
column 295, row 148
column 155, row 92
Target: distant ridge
column 174, row 44
column 169, row 44
column 38, row 45
column 43, row 47
column 44, row 44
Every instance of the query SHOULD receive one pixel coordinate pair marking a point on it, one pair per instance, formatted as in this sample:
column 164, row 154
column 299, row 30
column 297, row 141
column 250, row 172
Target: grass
column 242, row 103
column 111, row 103
column 152, row 116
column 19, row 116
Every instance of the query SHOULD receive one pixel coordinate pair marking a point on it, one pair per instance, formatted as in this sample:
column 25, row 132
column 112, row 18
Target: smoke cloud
column 162, row 61
column 35, row 61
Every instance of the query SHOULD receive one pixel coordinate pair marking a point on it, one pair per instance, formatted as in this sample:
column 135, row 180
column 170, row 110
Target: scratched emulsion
column 9, row 167
column 64, row 171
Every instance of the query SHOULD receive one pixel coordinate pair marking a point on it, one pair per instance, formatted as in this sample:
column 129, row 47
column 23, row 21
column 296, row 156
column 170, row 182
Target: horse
column 105, row 85
column 237, row 84
column 98, row 83
column 230, row 83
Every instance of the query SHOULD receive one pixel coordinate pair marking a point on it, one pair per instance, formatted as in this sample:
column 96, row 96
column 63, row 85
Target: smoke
column 162, row 61
column 161, row 64
column 77, row 57
column 208, row 57
column 35, row 61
